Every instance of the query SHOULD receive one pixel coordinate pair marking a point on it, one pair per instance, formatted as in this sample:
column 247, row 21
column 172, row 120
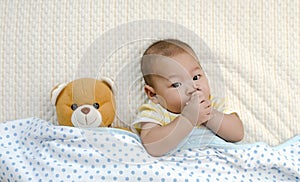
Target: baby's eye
column 176, row 85
column 197, row 77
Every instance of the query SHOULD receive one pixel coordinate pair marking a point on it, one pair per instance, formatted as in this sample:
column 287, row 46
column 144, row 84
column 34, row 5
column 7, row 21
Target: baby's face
column 176, row 79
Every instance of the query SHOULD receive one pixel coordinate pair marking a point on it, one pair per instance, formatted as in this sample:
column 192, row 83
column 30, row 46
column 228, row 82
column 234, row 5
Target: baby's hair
column 168, row 48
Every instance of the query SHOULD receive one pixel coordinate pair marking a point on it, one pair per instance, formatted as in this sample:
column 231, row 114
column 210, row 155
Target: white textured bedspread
column 36, row 150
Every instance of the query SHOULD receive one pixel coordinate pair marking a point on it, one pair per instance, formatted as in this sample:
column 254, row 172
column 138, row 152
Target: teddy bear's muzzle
column 86, row 116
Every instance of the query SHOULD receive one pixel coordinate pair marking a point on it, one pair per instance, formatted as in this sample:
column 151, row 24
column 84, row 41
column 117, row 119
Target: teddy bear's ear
column 56, row 91
column 110, row 82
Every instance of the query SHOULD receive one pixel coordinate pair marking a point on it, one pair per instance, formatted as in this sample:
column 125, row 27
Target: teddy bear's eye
column 96, row 105
column 74, row 106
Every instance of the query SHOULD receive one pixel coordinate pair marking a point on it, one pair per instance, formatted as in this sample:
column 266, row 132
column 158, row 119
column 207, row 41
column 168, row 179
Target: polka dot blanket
column 36, row 150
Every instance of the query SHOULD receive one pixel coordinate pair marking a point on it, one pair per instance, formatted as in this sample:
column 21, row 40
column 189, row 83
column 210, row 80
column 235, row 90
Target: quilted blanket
column 36, row 150
column 257, row 43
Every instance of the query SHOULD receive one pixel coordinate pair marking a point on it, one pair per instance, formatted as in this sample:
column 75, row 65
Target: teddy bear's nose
column 85, row 110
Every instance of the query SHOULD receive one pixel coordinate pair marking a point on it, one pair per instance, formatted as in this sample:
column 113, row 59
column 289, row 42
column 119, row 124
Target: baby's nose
column 191, row 87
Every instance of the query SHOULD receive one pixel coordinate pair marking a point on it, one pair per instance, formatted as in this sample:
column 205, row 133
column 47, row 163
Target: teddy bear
column 85, row 102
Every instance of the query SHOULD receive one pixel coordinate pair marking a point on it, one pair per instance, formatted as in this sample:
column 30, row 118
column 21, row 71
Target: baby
column 179, row 99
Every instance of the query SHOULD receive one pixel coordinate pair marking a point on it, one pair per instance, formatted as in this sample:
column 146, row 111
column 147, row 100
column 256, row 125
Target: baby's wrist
column 213, row 114
column 215, row 120
column 190, row 120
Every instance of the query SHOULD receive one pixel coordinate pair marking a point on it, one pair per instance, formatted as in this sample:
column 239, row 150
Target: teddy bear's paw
column 86, row 116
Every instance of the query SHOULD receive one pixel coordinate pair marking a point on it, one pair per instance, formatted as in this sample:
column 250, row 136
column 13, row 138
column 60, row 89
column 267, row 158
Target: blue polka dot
column 62, row 154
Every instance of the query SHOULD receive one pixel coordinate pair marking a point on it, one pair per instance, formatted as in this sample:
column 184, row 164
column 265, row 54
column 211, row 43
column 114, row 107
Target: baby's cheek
column 175, row 104
column 184, row 101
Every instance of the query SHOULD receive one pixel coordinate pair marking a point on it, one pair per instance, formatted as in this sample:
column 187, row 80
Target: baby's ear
column 151, row 93
column 56, row 91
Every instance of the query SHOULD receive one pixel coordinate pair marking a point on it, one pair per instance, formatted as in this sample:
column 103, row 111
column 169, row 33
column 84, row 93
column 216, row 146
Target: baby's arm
column 159, row 140
column 227, row 126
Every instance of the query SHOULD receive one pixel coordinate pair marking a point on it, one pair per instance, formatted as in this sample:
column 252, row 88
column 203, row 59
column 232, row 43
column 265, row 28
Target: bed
column 253, row 48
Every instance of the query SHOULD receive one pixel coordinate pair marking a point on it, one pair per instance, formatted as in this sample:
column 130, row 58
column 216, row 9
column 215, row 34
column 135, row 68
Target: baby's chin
column 174, row 111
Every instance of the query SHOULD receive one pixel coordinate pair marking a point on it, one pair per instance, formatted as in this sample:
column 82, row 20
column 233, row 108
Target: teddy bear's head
column 84, row 102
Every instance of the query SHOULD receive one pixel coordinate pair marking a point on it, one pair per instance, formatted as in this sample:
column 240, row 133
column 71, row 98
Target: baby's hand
column 204, row 110
column 192, row 108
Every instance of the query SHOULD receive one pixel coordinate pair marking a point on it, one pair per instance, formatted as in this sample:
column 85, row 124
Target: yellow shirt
column 155, row 113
